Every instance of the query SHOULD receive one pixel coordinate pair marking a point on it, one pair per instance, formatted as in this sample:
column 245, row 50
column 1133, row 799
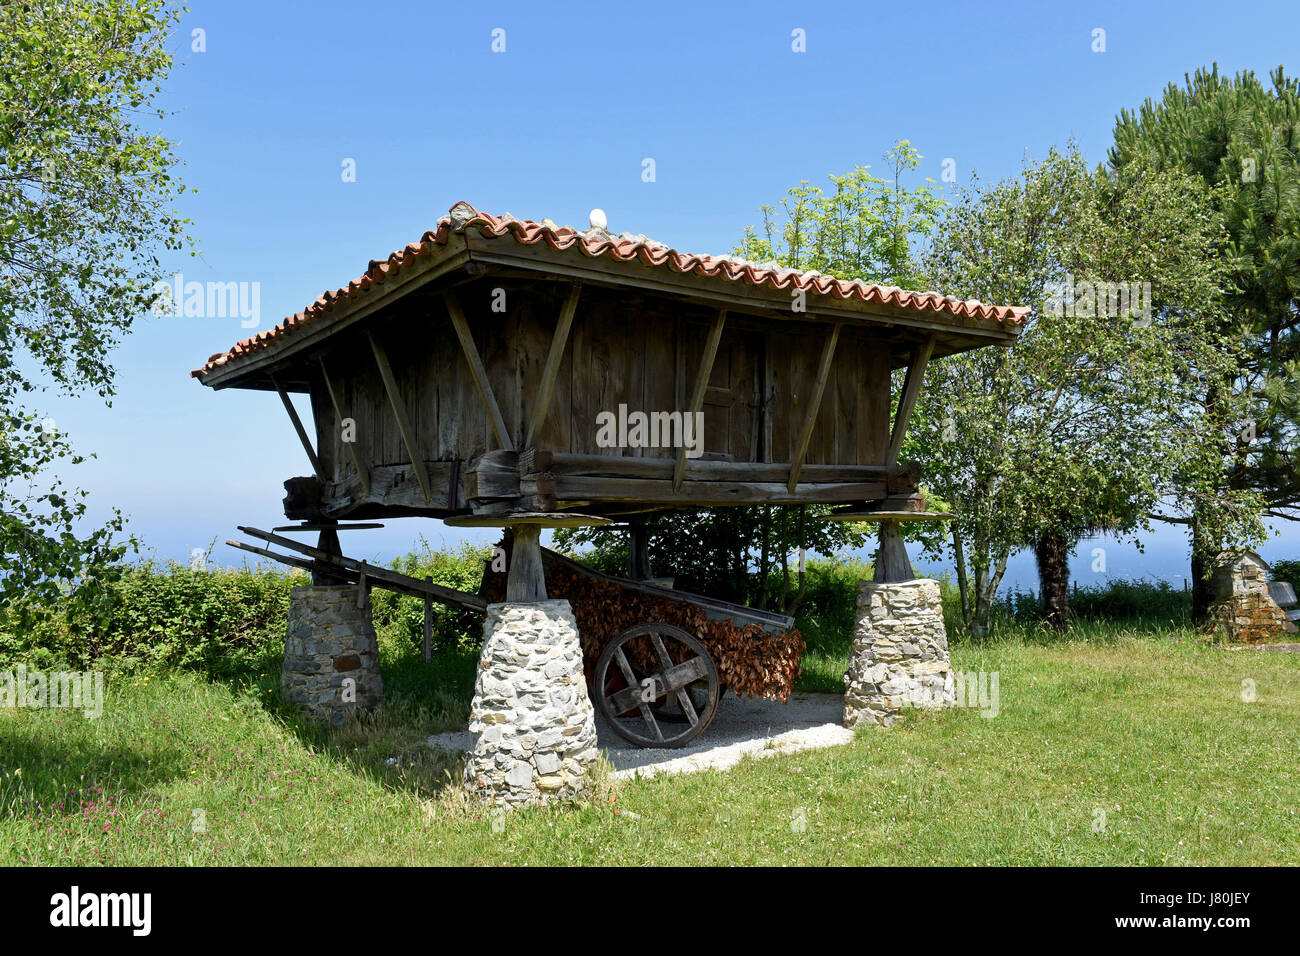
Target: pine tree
column 1243, row 139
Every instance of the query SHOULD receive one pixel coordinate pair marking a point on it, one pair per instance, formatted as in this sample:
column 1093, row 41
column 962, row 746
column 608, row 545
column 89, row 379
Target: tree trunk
column 1202, row 597
column 978, row 625
column 986, row 589
column 963, row 588
column 1052, row 551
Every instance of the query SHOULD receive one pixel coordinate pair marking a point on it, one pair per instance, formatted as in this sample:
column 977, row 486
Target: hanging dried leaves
column 751, row 662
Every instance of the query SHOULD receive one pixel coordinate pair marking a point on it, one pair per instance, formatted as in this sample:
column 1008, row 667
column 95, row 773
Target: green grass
column 1152, row 729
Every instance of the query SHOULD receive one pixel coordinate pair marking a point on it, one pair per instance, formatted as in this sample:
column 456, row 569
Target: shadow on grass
column 389, row 744
column 47, row 771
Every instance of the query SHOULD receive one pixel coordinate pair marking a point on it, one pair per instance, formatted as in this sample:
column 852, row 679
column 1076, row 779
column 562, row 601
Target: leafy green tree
column 85, row 193
column 1090, row 419
column 1242, row 138
column 863, row 227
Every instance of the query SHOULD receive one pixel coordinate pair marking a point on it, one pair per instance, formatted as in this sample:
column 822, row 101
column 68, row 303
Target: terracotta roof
column 622, row 248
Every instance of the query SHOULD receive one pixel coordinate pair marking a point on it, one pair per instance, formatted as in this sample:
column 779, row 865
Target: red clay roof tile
column 624, row 248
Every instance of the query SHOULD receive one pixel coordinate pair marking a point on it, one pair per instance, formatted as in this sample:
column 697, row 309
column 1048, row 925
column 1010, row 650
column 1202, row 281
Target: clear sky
column 283, row 94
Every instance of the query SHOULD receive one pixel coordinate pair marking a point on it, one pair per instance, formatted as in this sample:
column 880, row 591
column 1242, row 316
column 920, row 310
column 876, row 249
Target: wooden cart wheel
column 657, row 686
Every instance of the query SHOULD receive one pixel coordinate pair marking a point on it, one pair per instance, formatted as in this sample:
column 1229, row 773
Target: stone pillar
column 1242, row 606
column 331, row 655
column 535, row 724
column 900, row 653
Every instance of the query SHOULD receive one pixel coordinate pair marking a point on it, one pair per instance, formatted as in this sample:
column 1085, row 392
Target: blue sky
column 284, row 93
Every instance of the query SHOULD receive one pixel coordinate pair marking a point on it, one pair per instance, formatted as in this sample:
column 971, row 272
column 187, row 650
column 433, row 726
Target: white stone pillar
column 331, row 654
column 535, row 726
column 900, row 653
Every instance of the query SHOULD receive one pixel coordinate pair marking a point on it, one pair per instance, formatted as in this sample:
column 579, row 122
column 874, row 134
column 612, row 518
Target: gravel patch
column 761, row 728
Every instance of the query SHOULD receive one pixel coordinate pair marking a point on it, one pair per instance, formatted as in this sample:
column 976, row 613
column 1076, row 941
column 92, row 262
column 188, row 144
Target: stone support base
column 900, row 653
column 535, row 724
column 331, row 655
column 1242, row 607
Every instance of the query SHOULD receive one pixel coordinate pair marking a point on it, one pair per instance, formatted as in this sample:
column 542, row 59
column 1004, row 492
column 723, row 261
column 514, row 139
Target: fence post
column 428, row 622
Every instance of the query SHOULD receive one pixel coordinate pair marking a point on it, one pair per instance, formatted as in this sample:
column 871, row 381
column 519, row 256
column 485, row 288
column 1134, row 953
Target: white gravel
column 762, row 728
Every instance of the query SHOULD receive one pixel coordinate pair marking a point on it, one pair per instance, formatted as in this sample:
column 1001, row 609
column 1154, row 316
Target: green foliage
column 1150, row 602
column 1094, row 418
column 153, row 616
column 461, row 570
column 85, row 190
column 1288, row 571
column 729, row 553
column 829, row 613
column 864, row 228
column 1243, row 138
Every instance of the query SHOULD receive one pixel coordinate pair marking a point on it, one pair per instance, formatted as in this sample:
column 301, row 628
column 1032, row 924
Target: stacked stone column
column 331, row 654
column 900, row 653
column 535, row 726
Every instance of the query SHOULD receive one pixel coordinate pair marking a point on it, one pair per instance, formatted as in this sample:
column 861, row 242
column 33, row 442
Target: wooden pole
column 819, row 387
column 362, row 473
column 638, row 550
column 302, row 432
column 327, row 543
column 697, row 397
column 892, row 563
column 399, row 412
column 907, row 400
column 428, row 622
column 476, row 369
column 554, row 358
column 526, row 577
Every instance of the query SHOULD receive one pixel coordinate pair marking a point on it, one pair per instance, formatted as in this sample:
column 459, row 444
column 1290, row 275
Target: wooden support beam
column 892, row 564
column 399, row 412
column 299, row 563
column 819, row 388
column 302, row 432
column 554, row 358
column 363, row 473
column 377, row 576
column 477, row 370
column 526, row 578
column 570, row 489
column 907, row 400
column 702, row 469
column 701, row 386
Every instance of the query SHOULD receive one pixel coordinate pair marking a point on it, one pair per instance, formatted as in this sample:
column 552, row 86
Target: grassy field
column 1119, row 748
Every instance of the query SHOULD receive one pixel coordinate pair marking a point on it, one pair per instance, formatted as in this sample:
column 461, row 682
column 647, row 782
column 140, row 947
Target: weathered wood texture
column 538, row 356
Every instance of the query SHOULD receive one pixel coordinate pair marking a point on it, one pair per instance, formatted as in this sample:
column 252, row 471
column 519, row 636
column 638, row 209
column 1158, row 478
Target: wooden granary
column 467, row 374
column 504, row 372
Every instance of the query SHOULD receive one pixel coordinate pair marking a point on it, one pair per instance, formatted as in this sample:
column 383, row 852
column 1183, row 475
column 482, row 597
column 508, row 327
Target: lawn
column 1118, row 749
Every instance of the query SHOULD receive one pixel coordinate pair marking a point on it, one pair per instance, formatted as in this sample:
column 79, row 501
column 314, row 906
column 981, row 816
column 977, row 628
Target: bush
column 154, row 615
column 1288, row 571
column 1118, row 600
column 461, row 570
column 829, row 611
